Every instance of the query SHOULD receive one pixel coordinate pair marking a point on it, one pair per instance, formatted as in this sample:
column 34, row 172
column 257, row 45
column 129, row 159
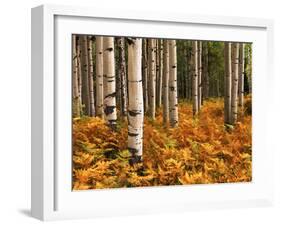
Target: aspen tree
column 110, row 87
column 135, row 108
column 199, row 74
column 122, row 77
column 206, row 71
column 227, row 80
column 160, row 72
column 145, row 73
column 195, row 77
column 85, row 74
column 166, row 83
column 234, row 89
column 91, row 76
column 75, row 86
column 173, row 97
column 99, row 76
column 241, row 75
column 79, row 72
column 152, row 77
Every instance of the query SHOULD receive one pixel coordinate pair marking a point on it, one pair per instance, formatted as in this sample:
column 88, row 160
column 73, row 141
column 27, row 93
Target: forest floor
column 200, row 151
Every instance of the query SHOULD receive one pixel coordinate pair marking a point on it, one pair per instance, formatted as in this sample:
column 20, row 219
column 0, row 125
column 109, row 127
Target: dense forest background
column 150, row 112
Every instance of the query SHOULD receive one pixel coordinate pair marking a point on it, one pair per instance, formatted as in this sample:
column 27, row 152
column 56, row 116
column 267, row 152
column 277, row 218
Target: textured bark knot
column 109, row 49
column 111, row 95
column 109, row 110
column 134, row 113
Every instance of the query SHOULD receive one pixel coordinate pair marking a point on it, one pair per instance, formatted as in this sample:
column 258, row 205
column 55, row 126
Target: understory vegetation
column 201, row 150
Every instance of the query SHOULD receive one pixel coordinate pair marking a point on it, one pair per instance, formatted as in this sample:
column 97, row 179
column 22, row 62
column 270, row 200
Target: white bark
column 234, row 96
column 159, row 72
column 75, row 86
column 145, row 74
column 110, row 88
column 99, row 76
column 152, row 77
column 173, row 97
column 85, row 74
column 241, row 75
column 199, row 74
column 227, row 82
column 135, row 108
column 166, row 83
column 195, row 77
column 79, row 74
column 91, row 76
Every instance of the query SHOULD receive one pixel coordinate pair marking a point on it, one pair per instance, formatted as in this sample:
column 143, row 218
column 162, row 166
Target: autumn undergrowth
column 201, row 150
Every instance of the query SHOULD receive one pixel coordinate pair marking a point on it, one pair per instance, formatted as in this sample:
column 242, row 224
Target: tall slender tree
column 205, row 71
column 234, row 89
column 173, row 91
column 122, row 77
column 241, row 75
column 166, row 83
column 199, row 74
column 91, row 75
column 78, row 50
column 75, row 86
column 160, row 72
column 152, row 77
column 195, row 77
column 227, row 80
column 110, row 87
column 135, row 108
column 85, row 74
column 99, row 76
column 145, row 73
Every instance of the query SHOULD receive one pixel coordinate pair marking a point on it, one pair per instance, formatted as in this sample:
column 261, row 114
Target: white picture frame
column 52, row 197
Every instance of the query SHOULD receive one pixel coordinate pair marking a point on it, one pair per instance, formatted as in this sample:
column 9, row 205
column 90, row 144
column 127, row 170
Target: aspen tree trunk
column 99, row 76
column 91, row 76
column 135, row 108
column 85, row 74
column 195, row 78
column 190, row 65
column 160, row 72
column 117, row 52
column 227, row 80
column 187, row 71
column 173, row 97
column 234, row 90
column 199, row 74
column 157, row 72
column 110, row 87
column 79, row 73
column 145, row 74
column 122, row 76
column 241, row 76
column 75, row 87
column 152, row 77
column 206, row 72
column 250, row 70
column 166, row 83
column 148, row 76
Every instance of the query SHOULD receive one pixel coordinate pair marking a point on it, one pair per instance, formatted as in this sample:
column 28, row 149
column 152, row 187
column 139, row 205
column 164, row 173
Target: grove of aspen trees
column 152, row 112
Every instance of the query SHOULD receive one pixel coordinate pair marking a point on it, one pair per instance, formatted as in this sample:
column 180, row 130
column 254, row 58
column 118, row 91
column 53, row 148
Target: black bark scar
column 109, row 110
column 110, row 95
column 134, row 113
